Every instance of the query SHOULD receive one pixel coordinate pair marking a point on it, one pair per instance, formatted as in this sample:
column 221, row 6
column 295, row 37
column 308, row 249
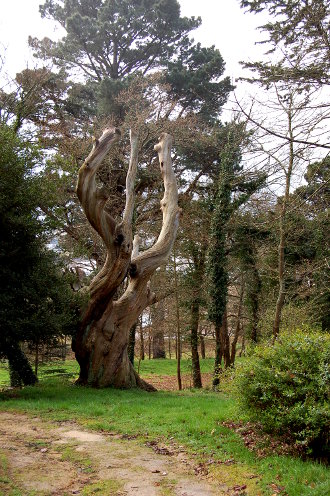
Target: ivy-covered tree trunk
column 217, row 270
column 102, row 340
column 233, row 191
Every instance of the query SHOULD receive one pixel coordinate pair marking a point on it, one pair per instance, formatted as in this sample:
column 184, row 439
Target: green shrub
column 286, row 387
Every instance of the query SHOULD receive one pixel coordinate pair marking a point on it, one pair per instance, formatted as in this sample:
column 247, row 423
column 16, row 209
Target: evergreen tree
column 114, row 39
column 109, row 42
column 34, row 294
column 300, row 28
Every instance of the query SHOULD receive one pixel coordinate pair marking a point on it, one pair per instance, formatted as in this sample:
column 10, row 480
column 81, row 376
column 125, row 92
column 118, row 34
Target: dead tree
column 101, row 342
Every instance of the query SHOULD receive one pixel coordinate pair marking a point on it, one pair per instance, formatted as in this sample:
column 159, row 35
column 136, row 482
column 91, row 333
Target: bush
column 286, row 387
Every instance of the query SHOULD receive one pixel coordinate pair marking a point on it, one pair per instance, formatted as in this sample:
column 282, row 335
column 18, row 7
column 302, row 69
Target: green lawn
column 168, row 367
column 189, row 418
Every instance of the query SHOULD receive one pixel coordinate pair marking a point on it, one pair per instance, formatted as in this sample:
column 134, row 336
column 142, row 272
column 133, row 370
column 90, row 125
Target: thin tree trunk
column 178, row 325
column 36, row 360
column 281, row 246
column 225, row 340
column 141, row 342
column 64, row 349
column 198, row 256
column 254, row 296
column 196, row 371
column 218, row 357
column 149, row 343
column 131, row 343
column 242, row 352
column 238, row 325
column 202, row 341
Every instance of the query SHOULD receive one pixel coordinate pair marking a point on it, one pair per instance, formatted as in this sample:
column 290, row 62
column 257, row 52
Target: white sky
column 224, row 25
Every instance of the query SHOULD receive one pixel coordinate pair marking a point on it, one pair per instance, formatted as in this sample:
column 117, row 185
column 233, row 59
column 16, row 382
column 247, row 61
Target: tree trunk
column 222, row 348
column 178, row 326
column 198, row 252
column 282, row 225
column 158, row 342
column 254, row 297
column 242, row 352
column 202, row 341
column 238, row 325
column 131, row 344
column 149, row 343
column 225, row 343
column 36, row 360
column 218, row 357
column 196, row 371
column 101, row 343
column 141, row 342
column 169, row 347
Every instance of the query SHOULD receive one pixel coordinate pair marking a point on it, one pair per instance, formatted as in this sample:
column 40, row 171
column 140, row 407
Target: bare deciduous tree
column 101, row 342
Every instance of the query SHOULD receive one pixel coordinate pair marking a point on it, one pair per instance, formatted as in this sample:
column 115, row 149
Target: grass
column 70, row 454
column 190, row 418
column 7, row 486
column 69, row 369
column 168, row 367
column 111, row 487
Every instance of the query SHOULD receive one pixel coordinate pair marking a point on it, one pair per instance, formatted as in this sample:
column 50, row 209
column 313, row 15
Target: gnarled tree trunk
column 101, row 342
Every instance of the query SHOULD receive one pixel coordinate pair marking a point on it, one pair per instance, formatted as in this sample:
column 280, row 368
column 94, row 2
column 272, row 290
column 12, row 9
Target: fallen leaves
column 160, row 449
column 263, row 444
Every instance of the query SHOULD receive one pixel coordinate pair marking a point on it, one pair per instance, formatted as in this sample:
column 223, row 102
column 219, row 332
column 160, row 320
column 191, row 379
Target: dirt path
column 39, row 458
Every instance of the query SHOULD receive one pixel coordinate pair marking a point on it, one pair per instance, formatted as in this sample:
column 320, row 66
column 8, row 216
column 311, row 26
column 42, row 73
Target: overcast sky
column 224, row 25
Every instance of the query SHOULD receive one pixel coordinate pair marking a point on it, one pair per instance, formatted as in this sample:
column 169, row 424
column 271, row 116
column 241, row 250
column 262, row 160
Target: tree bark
column 225, row 343
column 198, row 257
column 141, row 342
column 218, row 357
column 178, row 326
column 36, row 360
column 222, row 348
column 202, row 341
column 242, row 351
column 282, row 226
column 196, row 371
column 101, row 342
column 238, row 325
column 131, row 343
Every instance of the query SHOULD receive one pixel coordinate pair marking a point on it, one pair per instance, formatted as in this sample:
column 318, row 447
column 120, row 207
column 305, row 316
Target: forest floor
column 40, row 458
